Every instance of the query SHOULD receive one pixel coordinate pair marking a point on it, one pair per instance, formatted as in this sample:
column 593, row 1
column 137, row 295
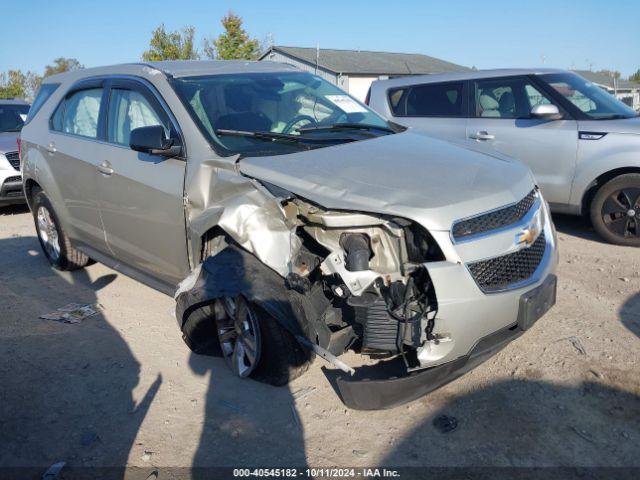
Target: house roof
column 604, row 79
column 365, row 62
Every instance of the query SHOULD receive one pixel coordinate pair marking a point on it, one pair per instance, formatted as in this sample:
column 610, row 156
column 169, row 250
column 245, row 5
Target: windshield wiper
column 345, row 126
column 282, row 137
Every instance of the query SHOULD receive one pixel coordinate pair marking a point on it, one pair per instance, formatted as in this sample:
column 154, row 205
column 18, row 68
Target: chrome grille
column 14, row 159
column 500, row 273
column 494, row 220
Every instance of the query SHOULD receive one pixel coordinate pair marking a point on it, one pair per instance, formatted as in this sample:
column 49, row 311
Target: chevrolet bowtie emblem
column 528, row 235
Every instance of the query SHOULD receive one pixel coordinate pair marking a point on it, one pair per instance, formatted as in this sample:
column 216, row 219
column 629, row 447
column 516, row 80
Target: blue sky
column 485, row 34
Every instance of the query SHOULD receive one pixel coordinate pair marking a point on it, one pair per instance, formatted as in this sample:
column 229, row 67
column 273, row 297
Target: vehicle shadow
column 576, row 226
column 66, row 389
column 14, row 209
column 521, row 423
column 630, row 314
column 246, row 422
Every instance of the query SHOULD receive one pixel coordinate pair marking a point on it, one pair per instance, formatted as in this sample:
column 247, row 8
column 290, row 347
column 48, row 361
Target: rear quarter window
column 427, row 100
column 44, row 92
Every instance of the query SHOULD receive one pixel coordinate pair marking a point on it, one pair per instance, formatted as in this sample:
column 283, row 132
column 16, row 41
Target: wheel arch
column 30, row 187
column 598, row 182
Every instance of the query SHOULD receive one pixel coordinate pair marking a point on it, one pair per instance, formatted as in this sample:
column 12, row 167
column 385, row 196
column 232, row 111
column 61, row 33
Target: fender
column 597, row 157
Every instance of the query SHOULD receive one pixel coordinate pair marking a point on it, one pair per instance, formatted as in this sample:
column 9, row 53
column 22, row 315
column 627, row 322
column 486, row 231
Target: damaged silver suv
column 290, row 221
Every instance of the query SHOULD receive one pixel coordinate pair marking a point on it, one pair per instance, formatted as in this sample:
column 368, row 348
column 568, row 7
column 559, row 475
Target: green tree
column 635, row 77
column 171, row 45
column 62, row 64
column 234, row 43
column 13, row 84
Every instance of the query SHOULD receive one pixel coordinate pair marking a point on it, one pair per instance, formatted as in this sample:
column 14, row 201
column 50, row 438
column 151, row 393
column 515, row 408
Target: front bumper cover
column 11, row 190
column 366, row 393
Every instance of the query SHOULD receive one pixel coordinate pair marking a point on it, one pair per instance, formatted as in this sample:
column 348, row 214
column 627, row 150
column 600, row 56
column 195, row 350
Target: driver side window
column 129, row 109
column 511, row 97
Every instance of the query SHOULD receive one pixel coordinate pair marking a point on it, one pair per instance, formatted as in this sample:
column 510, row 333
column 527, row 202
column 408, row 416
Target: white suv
column 582, row 144
column 13, row 114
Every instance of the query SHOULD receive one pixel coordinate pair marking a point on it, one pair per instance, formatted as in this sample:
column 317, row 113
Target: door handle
column 482, row 135
column 51, row 148
column 105, row 168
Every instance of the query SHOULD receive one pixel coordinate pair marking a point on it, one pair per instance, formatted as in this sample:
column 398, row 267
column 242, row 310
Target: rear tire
column 53, row 240
column 615, row 210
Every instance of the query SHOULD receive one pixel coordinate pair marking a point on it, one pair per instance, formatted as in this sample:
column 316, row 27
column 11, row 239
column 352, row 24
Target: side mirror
column 546, row 112
column 153, row 140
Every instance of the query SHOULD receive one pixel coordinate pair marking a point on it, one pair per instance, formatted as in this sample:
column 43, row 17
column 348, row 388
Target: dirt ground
column 121, row 388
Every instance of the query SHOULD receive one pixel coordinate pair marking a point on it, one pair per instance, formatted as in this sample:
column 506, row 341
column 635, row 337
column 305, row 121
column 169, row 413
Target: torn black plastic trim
column 234, row 272
column 380, row 386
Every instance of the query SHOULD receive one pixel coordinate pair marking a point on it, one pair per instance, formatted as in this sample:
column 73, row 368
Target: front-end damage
column 337, row 280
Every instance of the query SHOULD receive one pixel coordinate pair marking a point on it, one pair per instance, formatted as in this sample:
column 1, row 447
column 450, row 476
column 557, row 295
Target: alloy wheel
column 239, row 335
column 48, row 233
column 621, row 213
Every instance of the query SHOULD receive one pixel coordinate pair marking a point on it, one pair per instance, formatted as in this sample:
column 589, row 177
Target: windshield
column 12, row 117
column 592, row 100
column 294, row 104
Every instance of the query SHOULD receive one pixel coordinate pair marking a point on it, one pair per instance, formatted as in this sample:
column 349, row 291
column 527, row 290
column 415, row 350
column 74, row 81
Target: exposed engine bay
column 366, row 274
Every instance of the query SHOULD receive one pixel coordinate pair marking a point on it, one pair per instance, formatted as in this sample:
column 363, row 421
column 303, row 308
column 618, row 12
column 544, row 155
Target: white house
column 354, row 70
column 624, row 90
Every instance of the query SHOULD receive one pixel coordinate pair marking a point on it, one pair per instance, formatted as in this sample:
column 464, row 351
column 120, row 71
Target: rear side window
column 78, row 114
column 429, row 100
column 44, row 92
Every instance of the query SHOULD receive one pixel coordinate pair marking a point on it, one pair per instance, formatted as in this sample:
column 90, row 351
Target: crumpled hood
column 430, row 181
column 8, row 142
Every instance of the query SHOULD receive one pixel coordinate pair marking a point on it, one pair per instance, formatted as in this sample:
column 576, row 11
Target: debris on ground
column 577, row 344
column 146, row 456
column 232, row 406
column 582, row 434
column 72, row 313
column 445, row 423
column 53, row 470
column 303, row 392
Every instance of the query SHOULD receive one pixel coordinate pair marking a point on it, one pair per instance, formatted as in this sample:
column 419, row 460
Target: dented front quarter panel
column 218, row 196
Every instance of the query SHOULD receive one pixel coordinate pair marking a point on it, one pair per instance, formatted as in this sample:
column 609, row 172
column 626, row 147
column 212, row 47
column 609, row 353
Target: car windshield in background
column 588, row 97
column 289, row 111
column 12, row 117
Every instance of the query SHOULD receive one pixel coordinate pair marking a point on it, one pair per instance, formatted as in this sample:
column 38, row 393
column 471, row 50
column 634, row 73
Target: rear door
column 437, row 109
column 501, row 118
column 74, row 150
column 141, row 195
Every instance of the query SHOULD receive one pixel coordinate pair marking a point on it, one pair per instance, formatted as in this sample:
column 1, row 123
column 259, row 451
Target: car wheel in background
column 53, row 240
column 615, row 210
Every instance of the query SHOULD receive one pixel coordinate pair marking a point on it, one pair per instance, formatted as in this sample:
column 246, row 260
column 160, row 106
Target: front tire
column 53, row 240
column 255, row 345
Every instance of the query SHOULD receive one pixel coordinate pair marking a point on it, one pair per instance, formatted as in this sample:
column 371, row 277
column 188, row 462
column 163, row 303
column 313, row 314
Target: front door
column 141, row 195
column 501, row 117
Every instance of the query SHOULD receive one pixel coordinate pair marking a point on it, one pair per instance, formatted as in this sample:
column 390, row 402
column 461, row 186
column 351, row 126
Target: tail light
column 366, row 99
column 18, row 141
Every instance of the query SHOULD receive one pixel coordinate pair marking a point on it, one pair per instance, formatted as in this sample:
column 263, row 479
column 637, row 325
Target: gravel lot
column 121, row 388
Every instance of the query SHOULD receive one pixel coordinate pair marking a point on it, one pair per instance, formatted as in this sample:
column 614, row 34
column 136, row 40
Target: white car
column 582, row 144
column 13, row 114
